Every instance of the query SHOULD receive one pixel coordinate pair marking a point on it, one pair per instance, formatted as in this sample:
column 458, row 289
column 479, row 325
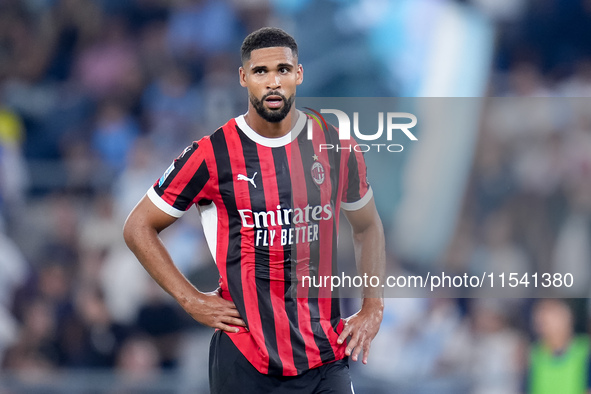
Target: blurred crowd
column 97, row 97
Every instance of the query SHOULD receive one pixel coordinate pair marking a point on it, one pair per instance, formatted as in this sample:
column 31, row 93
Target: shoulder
column 582, row 341
column 222, row 132
column 208, row 142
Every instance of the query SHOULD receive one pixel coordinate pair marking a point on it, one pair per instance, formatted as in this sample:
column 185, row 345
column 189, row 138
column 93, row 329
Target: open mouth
column 274, row 101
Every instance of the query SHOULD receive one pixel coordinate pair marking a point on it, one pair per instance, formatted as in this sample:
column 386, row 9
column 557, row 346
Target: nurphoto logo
column 394, row 123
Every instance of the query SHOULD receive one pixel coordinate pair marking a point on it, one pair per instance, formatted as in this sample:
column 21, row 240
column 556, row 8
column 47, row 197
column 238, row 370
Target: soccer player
column 269, row 200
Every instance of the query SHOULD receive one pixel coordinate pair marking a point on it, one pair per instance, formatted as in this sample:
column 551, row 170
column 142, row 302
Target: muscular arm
column 370, row 254
column 141, row 231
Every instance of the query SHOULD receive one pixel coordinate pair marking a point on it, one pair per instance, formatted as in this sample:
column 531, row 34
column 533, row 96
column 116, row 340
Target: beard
column 272, row 115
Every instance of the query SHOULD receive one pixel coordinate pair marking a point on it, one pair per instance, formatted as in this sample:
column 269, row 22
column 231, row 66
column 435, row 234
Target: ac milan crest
column 318, row 173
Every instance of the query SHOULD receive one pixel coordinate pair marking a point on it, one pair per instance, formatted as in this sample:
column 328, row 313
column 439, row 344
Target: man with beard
column 269, row 201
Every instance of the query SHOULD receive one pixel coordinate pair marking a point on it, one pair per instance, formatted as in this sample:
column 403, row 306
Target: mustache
column 274, row 93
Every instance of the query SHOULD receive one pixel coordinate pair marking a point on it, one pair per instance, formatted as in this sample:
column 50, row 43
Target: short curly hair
column 267, row 37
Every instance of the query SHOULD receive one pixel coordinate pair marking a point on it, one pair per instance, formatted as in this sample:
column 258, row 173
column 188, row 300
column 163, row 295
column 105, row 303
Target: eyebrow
column 280, row 65
column 287, row 65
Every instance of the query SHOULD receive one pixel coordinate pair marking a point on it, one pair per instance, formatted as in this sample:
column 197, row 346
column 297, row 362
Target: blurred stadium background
column 97, row 97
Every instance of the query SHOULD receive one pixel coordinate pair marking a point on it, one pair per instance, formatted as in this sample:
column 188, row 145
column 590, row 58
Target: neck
column 558, row 343
column 268, row 129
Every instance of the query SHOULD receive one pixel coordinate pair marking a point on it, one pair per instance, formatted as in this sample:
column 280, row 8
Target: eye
column 259, row 71
column 284, row 70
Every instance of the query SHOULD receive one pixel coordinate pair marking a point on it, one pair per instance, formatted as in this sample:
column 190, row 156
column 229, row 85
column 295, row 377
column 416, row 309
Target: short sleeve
column 183, row 183
column 357, row 191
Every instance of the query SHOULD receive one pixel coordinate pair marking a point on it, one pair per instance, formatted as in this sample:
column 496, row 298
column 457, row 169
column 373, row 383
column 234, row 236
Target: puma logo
column 245, row 178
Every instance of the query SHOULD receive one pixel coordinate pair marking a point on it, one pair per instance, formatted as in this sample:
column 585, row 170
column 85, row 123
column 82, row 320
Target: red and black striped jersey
column 269, row 209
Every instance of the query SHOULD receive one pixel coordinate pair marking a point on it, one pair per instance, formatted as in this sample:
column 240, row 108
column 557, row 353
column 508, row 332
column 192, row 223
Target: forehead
column 270, row 56
column 551, row 308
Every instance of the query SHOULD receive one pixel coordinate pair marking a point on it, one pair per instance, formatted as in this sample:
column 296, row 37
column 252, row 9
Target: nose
column 274, row 81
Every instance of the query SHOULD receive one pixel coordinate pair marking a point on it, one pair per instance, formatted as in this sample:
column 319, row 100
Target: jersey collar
column 273, row 142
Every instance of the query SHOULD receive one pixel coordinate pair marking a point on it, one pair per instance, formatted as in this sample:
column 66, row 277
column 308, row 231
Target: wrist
column 375, row 303
column 190, row 298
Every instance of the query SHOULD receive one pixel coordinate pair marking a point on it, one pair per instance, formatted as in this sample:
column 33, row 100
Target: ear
column 299, row 75
column 242, row 75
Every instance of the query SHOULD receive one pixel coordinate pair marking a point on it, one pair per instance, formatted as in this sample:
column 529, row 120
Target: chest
column 267, row 179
